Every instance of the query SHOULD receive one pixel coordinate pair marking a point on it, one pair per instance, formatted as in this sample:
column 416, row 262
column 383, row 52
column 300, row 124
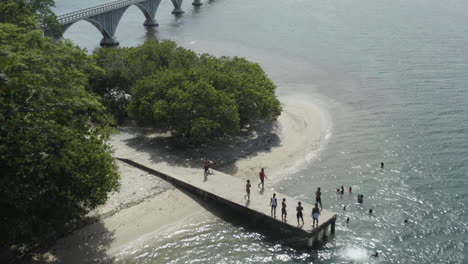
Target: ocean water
column 393, row 76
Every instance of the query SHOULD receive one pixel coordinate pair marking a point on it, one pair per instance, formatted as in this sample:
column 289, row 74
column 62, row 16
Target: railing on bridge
column 106, row 17
column 95, row 10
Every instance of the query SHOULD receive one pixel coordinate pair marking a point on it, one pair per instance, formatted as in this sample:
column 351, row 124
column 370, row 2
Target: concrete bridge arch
column 106, row 17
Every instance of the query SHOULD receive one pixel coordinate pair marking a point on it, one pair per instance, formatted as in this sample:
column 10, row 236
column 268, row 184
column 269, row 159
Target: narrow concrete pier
column 230, row 191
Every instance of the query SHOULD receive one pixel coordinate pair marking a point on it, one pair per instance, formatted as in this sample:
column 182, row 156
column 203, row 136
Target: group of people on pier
column 299, row 209
column 274, row 202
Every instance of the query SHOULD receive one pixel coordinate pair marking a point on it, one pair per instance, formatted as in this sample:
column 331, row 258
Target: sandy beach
column 147, row 207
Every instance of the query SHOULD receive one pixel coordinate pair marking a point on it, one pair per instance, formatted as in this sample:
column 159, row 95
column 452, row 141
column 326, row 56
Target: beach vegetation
column 194, row 96
column 31, row 14
column 55, row 164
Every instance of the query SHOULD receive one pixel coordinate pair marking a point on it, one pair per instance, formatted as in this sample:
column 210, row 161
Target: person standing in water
column 318, row 197
column 273, row 204
column 315, row 215
column 381, row 165
column 247, row 190
column 299, row 215
column 360, row 198
column 283, row 210
column 262, row 178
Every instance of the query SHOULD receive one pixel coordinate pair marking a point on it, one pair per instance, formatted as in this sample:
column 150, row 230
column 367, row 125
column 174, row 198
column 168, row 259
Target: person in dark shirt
column 318, row 197
column 315, row 215
column 360, row 198
column 283, row 210
column 262, row 178
column 299, row 215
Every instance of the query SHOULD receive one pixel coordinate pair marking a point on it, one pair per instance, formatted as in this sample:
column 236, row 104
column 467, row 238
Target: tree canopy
column 194, row 96
column 31, row 14
column 54, row 161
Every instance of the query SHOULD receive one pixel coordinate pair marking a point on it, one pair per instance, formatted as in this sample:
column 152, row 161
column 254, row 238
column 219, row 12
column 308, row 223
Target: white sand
column 302, row 129
column 153, row 212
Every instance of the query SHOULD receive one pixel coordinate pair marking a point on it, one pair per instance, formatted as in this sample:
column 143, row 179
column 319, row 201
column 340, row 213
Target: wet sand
column 146, row 207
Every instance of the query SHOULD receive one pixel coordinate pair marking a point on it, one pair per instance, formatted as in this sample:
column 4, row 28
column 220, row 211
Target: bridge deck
column 95, row 10
column 231, row 190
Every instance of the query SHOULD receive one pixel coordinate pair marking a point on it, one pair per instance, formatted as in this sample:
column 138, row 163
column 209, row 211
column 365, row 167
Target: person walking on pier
column 315, row 215
column 247, row 189
column 207, row 164
column 262, row 178
column 273, row 204
column 318, row 197
column 283, row 210
column 299, row 215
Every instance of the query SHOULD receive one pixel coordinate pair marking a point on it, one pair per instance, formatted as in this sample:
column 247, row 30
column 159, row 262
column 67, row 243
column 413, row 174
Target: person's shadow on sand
column 261, row 191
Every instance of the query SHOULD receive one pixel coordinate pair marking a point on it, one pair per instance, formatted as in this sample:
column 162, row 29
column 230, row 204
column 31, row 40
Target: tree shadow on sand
column 88, row 244
column 259, row 137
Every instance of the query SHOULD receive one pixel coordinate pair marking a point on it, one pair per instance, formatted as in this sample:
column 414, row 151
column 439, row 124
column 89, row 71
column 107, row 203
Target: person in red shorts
column 262, row 178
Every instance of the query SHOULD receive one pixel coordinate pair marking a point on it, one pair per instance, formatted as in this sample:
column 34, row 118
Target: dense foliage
column 30, row 14
column 193, row 96
column 54, row 162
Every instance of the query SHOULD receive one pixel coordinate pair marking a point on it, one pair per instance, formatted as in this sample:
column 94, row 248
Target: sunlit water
column 393, row 75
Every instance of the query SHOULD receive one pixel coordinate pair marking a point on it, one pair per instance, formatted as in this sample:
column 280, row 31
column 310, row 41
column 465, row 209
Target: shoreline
column 144, row 207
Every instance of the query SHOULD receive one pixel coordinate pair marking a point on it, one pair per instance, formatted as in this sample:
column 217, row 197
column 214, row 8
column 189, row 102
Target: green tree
column 191, row 109
column 253, row 91
column 194, row 96
column 125, row 66
column 54, row 161
column 31, row 14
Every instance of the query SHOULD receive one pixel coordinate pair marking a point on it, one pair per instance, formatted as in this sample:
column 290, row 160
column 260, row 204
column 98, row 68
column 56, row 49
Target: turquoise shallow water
column 394, row 77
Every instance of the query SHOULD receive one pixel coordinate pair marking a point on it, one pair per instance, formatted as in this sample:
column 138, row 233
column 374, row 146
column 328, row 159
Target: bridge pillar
column 107, row 24
column 149, row 9
column 332, row 227
column 197, row 3
column 177, row 7
column 108, row 41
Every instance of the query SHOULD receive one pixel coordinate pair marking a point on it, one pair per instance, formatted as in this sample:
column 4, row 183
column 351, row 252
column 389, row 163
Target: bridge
column 106, row 17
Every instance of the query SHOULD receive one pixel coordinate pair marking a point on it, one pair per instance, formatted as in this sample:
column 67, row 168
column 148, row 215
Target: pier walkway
column 230, row 191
